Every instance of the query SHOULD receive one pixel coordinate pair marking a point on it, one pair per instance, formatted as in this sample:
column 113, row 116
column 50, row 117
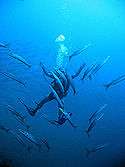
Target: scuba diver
column 60, row 85
column 61, row 80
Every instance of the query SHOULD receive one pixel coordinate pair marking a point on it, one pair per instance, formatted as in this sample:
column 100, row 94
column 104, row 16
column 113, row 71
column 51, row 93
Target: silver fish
column 58, row 82
column 97, row 114
column 21, row 118
column 61, row 75
column 79, row 71
column 88, row 71
column 2, row 45
column 28, row 136
column 33, row 140
column 19, row 58
column 95, row 149
column 9, row 75
column 56, row 96
column 114, row 82
column 99, row 66
column 90, row 127
column 79, row 51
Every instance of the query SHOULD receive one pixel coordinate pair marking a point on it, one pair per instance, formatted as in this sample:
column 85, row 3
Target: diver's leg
column 47, row 99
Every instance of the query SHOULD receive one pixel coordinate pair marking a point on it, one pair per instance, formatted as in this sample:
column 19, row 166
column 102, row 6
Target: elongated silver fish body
column 59, row 82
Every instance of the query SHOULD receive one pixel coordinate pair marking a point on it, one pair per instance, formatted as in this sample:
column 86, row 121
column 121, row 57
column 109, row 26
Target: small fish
column 69, row 80
column 2, row 45
column 93, row 71
column 97, row 113
column 98, row 67
column 15, row 135
column 107, row 86
column 93, row 150
column 19, row 58
column 21, row 118
column 88, row 71
column 33, row 140
column 61, row 75
column 55, row 94
column 114, row 82
column 93, row 116
column 21, row 141
column 57, row 80
column 9, row 75
column 79, row 51
column 18, row 138
column 96, row 116
column 79, row 71
column 91, row 126
column 57, row 97
column 29, row 136
column 17, row 114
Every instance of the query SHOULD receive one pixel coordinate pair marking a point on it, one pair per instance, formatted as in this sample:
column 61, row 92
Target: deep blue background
column 30, row 27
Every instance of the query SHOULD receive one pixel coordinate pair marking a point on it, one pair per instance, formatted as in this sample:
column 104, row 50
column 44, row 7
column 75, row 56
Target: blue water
column 31, row 27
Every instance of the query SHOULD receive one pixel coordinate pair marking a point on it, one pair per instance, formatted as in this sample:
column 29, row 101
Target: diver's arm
column 48, row 74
